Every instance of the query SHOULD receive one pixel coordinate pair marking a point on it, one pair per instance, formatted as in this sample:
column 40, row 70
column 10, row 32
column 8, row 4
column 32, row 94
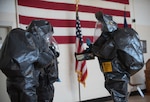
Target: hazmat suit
column 119, row 53
column 48, row 74
column 22, row 57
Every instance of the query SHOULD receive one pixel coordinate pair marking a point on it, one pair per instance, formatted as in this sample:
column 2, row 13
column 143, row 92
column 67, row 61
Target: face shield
column 42, row 29
column 47, row 38
column 43, row 35
column 53, row 44
column 97, row 31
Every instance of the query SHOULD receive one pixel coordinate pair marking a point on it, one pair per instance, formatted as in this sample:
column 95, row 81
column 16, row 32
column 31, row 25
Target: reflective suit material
column 47, row 77
column 108, row 25
column 49, row 73
column 18, row 66
column 120, row 56
column 21, row 53
column 45, row 94
column 123, row 44
column 115, row 75
column 129, row 50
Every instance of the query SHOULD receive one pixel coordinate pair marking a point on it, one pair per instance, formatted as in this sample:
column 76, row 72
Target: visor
column 97, row 31
column 53, row 43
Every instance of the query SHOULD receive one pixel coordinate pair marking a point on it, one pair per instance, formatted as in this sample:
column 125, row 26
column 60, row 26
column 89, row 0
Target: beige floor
column 138, row 98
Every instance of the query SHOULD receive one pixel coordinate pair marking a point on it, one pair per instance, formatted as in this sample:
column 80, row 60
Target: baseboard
column 108, row 98
column 102, row 99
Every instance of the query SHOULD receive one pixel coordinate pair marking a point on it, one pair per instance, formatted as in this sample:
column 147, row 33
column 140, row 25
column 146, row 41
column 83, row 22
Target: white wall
column 8, row 13
column 140, row 11
column 7, row 19
column 67, row 89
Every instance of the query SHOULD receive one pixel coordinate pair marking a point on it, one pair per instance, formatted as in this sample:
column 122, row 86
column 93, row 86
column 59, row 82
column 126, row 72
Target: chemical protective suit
column 48, row 74
column 22, row 57
column 47, row 77
column 119, row 53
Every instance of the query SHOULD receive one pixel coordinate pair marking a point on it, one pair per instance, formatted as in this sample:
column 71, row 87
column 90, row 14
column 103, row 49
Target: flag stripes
column 71, row 7
column 60, row 22
column 61, row 15
column 80, row 67
column 57, row 22
column 120, row 1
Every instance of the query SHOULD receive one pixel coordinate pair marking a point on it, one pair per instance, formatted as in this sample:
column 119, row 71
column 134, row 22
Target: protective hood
column 108, row 25
column 40, row 25
column 42, row 32
column 41, row 29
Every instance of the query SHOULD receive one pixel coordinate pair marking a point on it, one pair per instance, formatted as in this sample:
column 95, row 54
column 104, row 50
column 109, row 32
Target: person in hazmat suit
column 48, row 74
column 21, row 53
column 47, row 77
column 119, row 53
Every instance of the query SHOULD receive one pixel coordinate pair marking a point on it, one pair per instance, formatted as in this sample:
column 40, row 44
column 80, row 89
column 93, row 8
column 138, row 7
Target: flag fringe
column 79, row 75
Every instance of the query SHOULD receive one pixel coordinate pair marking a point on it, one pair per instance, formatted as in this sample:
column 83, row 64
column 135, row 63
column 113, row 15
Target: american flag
column 61, row 15
column 81, row 67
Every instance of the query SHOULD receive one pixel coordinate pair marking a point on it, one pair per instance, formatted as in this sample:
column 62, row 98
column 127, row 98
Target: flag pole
column 77, row 1
column 124, row 7
column 17, row 16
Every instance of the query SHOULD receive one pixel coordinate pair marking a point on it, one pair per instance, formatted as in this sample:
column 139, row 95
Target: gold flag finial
column 77, row 2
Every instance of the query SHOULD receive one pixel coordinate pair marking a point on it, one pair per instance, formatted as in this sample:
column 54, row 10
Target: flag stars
column 78, row 31
column 81, row 65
